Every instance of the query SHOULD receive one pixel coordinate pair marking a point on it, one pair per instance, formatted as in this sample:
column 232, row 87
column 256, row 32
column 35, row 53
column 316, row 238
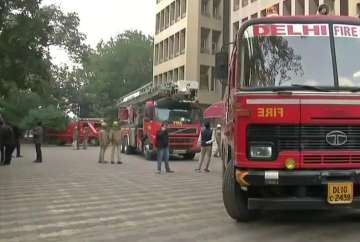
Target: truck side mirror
column 221, row 66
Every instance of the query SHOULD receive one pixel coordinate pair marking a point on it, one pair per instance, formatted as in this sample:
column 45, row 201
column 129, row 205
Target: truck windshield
column 286, row 55
column 347, row 44
column 185, row 116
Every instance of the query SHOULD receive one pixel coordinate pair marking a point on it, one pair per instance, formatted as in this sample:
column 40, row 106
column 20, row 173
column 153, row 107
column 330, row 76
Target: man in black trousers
column 7, row 139
column 17, row 134
column 38, row 133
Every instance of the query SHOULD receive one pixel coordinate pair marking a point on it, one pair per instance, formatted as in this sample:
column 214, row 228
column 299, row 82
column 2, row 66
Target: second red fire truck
column 142, row 112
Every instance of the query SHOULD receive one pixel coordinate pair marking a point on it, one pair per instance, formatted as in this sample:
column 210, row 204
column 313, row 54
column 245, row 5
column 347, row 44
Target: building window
column 167, row 17
column 313, row 7
column 331, row 4
column 205, row 35
column 182, row 73
column 212, row 79
column 177, row 44
column 177, row 10
column 217, row 9
column 171, row 47
column 182, row 41
column 176, row 75
column 300, row 7
column 216, row 42
column 205, row 8
column 183, row 8
column 156, row 57
column 236, row 5
column 287, row 8
column 166, row 50
column 204, row 78
column 344, row 8
column 172, row 13
column 244, row 3
column 157, row 23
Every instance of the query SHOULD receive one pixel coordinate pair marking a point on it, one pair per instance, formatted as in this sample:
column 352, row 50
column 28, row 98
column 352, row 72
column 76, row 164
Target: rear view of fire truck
column 142, row 112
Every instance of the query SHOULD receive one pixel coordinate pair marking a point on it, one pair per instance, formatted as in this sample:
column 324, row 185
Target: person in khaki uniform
column 115, row 139
column 103, row 142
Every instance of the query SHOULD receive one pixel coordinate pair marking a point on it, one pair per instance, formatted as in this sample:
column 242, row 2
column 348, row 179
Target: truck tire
column 189, row 156
column 235, row 200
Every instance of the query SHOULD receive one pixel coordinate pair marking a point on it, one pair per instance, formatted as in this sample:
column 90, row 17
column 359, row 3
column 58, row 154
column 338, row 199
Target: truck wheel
column 235, row 200
column 189, row 156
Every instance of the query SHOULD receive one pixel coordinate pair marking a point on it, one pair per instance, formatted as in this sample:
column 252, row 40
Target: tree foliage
column 116, row 68
column 50, row 117
column 27, row 30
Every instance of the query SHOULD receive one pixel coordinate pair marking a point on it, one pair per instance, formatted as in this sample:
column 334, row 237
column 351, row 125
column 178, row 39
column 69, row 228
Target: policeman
column 115, row 139
column 103, row 141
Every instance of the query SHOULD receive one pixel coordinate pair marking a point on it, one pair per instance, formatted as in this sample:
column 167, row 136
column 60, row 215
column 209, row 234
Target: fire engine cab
column 142, row 112
column 292, row 125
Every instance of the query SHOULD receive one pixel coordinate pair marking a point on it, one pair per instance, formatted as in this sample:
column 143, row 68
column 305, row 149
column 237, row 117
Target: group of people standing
column 206, row 140
column 76, row 138
column 10, row 136
column 111, row 138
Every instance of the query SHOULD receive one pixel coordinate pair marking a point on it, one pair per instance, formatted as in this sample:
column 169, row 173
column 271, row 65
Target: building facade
column 187, row 36
column 242, row 10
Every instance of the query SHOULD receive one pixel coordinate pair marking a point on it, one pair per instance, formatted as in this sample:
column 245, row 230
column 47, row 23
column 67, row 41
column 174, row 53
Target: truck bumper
column 299, row 182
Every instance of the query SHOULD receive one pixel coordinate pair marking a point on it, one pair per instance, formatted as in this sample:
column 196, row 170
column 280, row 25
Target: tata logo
column 336, row 138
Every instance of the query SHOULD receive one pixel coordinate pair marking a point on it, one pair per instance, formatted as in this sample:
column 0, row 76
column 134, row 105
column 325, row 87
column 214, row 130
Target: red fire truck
column 66, row 136
column 142, row 112
column 292, row 132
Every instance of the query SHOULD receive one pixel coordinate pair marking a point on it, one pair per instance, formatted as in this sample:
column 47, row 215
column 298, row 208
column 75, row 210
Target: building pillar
column 293, row 6
column 337, row 7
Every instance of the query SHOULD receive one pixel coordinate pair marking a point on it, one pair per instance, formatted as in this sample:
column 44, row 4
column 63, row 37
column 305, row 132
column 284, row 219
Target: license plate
column 340, row 192
column 179, row 151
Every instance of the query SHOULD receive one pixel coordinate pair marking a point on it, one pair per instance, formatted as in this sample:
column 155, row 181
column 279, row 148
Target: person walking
column 17, row 135
column 103, row 142
column 115, row 139
column 7, row 139
column 206, row 140
column 85, row 137
column 218, row 141
column 38, row 133
column 75, row 143
column 162, row 145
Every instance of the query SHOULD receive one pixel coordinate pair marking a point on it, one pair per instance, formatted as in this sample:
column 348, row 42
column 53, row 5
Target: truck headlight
column 261, row 151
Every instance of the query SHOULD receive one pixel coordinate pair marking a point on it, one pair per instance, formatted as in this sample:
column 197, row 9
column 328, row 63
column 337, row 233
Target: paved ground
column 72, row 198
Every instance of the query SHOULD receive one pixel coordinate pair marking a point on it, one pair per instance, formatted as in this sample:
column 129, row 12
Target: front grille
column 328, row 159
column 182, row 130
column 302, row 138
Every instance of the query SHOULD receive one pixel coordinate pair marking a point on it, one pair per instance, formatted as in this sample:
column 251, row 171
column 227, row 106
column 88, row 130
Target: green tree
column 27, row 31
column 50, row 117
column 116, row 68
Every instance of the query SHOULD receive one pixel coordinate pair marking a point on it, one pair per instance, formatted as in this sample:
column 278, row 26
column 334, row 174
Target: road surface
column 70, row 197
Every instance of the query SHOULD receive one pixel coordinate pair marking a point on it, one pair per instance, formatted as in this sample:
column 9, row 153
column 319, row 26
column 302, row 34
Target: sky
column 100, row 20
